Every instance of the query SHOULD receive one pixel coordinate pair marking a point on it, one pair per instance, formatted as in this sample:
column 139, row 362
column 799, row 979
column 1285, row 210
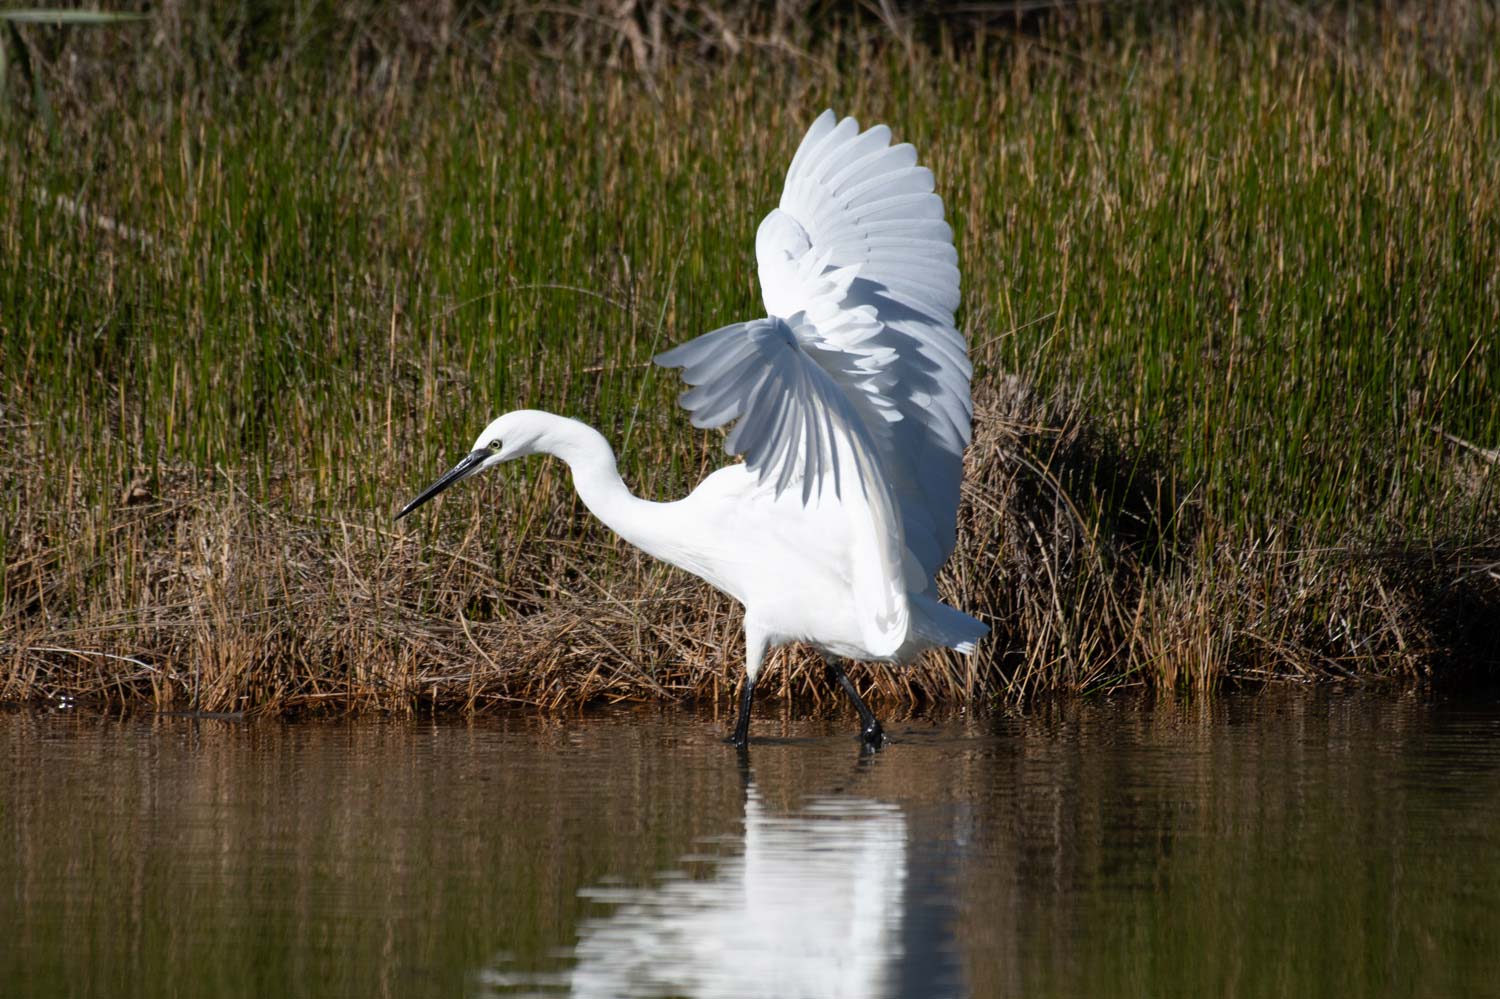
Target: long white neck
column 597, row 479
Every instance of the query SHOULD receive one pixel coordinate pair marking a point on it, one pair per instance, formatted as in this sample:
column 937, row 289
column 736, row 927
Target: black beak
column 472, row 463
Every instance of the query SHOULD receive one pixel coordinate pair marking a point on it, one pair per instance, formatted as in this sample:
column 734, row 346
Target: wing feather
column 858, row 381
column 860, row 244
column 884, row 159
column 794, row 424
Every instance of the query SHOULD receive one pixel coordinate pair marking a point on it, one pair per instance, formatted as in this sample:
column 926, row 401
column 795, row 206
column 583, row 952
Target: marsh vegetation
column 1230, row 282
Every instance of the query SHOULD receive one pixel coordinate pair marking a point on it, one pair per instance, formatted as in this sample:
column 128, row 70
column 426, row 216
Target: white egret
column 850, row 405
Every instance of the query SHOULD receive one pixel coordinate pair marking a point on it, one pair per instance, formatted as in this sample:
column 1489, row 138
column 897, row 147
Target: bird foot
column 873, row 736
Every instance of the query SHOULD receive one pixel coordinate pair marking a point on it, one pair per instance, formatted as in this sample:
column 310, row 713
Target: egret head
column 513, row 435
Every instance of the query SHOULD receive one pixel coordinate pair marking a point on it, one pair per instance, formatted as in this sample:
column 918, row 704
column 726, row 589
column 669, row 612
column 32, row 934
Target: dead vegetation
column 1062, row 548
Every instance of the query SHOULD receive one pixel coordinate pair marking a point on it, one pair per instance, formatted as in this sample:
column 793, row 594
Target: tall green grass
column 244, row 317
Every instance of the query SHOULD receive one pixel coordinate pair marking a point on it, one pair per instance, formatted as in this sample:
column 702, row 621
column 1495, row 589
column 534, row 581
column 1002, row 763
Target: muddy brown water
column 1279, row 844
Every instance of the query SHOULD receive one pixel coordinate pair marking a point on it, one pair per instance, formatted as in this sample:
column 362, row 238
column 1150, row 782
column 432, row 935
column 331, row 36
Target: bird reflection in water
column 812, row 906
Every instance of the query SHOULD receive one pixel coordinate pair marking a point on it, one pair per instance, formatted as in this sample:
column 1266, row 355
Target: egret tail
column 942, row 625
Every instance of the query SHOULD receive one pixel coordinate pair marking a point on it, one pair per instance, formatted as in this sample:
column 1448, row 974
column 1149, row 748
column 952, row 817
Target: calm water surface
column 1285, row 844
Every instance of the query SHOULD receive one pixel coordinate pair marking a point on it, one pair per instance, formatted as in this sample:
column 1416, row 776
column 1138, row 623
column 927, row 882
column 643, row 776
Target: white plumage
column 859, row 267
column 810, row 905
column 849, row 403
column 813, row 909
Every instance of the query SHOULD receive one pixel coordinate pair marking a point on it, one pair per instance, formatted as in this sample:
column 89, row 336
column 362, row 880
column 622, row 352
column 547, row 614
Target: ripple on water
column 1283, row 843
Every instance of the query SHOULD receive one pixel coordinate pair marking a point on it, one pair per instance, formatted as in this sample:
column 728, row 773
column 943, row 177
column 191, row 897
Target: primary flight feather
column 849, row 402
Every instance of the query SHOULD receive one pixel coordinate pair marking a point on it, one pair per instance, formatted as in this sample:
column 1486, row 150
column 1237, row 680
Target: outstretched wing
column 859, row 247
column 796, row 426
column 859, row 381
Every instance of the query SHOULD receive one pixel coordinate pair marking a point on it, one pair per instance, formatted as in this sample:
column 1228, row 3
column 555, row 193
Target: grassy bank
column 1230, row 280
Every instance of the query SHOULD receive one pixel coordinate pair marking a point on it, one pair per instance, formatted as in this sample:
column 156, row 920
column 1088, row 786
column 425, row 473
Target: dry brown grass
column 243, row 608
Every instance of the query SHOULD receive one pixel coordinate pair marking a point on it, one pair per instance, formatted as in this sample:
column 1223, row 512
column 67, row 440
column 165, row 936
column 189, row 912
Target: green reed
column 1262, row 260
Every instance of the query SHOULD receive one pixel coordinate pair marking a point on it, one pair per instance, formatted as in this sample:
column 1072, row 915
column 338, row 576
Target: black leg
column 872, row 734
column 741, row 736
column 747, row 779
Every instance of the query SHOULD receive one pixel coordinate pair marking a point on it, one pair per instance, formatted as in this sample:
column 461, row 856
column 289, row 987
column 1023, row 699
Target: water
column 1284, row 844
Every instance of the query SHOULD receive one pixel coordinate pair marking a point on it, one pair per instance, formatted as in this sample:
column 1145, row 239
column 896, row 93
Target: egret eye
column 494, row 445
